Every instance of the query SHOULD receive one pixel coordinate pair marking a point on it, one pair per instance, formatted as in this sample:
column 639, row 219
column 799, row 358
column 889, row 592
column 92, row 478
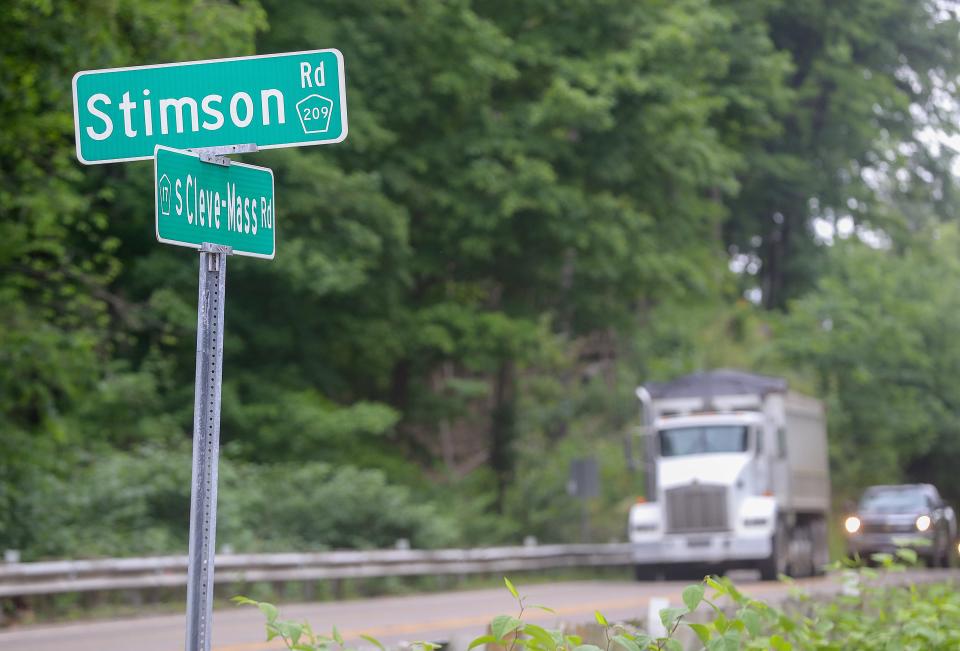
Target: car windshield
column 682, row 441
column 893, row 500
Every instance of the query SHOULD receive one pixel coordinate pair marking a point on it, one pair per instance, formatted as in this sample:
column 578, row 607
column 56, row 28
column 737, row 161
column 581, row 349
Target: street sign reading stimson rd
column 230, row 205
column 273, row 100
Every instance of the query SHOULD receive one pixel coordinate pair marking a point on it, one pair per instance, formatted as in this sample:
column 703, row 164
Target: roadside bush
column 318, row 506
column 138, row 503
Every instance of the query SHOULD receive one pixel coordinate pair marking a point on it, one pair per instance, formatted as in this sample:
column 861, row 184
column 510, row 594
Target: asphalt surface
column 455, row 617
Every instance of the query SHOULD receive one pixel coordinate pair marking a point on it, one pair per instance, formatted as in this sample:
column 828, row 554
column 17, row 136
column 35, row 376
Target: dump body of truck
column 737, row 476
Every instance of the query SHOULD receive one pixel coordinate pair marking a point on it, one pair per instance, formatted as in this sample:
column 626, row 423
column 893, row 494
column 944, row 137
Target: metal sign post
column 206, row 445
column 206, row 427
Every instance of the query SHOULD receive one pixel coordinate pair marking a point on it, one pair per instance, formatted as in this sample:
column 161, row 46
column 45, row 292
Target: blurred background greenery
column 540, row 205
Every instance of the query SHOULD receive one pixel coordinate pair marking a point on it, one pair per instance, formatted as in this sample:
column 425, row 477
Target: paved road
column 450, row 616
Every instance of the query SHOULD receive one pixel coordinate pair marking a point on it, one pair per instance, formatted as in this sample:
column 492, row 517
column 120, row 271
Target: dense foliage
column 539, row 205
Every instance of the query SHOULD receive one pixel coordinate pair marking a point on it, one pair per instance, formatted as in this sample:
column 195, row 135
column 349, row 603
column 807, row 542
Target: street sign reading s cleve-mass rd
column 230, row 205
column 273, row 100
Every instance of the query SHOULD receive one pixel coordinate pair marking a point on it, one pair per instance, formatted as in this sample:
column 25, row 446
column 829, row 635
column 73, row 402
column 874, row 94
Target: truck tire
column 776, row 564
column 821, row 546
column 645, row 572
column 803, row 565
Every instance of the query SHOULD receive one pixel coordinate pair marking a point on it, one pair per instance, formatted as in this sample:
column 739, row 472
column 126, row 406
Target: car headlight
column 852, row 524
column 923, row 523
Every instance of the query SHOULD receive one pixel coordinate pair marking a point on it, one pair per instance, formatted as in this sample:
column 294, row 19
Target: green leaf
column 290, row 630
column 908, row 555
column 272, row 631
column 587, row 647
column 692, row 596
column 503, row 625
column 541, row 636
column 716, row 585
column 672, row 644
column 374, row 641
column 702, row 631
column 483, row 639
column 882, row 558
column 720, row 622
column 336, row 636
column 752, row 621
column 716, row 644
column 731, row 640
column 627, row 643
column 545, row 609
column 600, row 618
column 669, row 616
column 779, row 644
column 510, row 587
column 243, row 601
column 269, row 610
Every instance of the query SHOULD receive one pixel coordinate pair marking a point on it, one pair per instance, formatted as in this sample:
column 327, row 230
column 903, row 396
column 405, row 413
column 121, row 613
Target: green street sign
column 231, row 205
column 273, row 100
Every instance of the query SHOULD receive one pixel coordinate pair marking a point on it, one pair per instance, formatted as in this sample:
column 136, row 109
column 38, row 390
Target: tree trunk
column 774, row 263
column 503, row 428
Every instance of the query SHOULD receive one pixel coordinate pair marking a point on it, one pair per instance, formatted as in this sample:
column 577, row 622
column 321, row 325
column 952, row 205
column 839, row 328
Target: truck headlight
column 923, row 523
column 852, row 524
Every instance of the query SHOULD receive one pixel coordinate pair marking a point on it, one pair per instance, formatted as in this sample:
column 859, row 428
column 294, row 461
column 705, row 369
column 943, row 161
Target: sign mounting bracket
column 218, row 155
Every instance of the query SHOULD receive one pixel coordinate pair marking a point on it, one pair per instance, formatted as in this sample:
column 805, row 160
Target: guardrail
column 56, row 577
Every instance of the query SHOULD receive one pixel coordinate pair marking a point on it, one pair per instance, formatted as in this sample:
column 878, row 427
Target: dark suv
column 889, row 517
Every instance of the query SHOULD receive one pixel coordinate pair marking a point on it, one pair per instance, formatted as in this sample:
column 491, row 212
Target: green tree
column 869, row 85
column 879, row 334
column 554, row 166
column 63, row 323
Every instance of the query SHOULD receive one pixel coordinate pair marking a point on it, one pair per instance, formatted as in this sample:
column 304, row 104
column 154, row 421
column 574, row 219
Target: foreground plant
column 869, row 615
column 299, row 636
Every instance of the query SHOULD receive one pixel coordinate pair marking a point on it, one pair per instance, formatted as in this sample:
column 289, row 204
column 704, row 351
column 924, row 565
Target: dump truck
column 736, row 477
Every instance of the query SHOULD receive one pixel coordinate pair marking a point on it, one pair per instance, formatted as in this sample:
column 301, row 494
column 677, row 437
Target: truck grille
column 696, row 508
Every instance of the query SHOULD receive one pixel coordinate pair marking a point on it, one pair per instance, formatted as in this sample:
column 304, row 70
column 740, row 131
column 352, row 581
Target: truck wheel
column 801, row 564
column 776, row 564
column 645, row 572
column 821, row 546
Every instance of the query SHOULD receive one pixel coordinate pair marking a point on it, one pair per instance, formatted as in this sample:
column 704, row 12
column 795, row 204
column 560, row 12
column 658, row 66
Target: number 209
column 314, row 113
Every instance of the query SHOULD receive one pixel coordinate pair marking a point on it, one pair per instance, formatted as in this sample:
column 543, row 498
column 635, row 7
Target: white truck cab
column 736, row 470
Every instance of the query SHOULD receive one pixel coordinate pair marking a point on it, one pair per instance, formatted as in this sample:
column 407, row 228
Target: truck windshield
column 681, row 441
